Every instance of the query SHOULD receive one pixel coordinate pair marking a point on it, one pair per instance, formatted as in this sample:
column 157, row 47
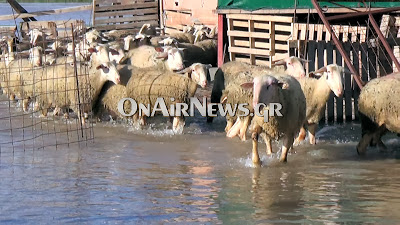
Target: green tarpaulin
column 300, row 4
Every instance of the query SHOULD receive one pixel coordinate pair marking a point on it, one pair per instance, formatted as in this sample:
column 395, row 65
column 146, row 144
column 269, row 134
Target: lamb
column 379, row 110
column 112, row 94
column 283, row 89
column 317, row 93
column 146, row 85
column 147, row 56
column 58, row 87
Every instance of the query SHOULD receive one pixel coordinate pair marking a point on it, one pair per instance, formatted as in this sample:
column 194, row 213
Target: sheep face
column 294, row 67
column 109, row 72
column 265, row 89
column 174, row 58
column 199, row 73
column 334, row 79
column 92, row 36
column 116, row 54
column 200, row 36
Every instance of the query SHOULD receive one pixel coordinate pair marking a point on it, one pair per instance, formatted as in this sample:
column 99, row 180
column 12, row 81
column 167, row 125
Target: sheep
column 112, row 94
column 317, row 93
column 379, row 111
column 202, row 52
column 58, row 87
column 149, row 84
column 168, row 58
column 183, row 37
column 35, row 56
column 132, row 42
column 149, row 29
column 227, row 72
column 92, row 36
column 36, row 36
column 285, row 90
column 116, row 52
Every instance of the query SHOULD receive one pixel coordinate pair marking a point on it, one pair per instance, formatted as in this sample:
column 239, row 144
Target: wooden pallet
column 258, row 39
column 124, row 15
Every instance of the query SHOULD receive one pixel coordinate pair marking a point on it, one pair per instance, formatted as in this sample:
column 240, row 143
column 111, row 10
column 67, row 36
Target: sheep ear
column 208, row 66
column 113, row 51
column 158, row 49
column 91, row 50
column 224, row 99
column 163, row 55
column 304, row 60
column 186, row 70
column 314, row 74
column 283, row 85
column 279, row 62
column 101, row 66
column 321, row 70
column 248, row 85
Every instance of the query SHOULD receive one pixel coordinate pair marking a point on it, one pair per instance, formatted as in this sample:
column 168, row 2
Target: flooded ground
column 152, row 176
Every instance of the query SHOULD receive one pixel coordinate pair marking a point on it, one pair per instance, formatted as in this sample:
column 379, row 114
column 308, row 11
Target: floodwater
column 151, row 176
column 6, row 9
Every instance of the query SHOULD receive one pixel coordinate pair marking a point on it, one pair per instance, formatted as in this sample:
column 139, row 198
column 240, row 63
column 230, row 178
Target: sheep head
column 265, row 89
column 333, row 75
column 294, row 67
column 35, row 55
column 200, row 36
column 174, row 57
column 109, row 72
column 35, row 36
column 198, row 73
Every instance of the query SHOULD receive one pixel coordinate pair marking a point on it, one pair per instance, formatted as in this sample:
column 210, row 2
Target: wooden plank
column 339, row 101
column 127, row 19
column 257, row 44
column 251, row 40
column 311, row 48
column 303, row 32
column 272, row 39
column 356, row 90
column 320, row 30
column 231, row 40
column 133, row 12
column 295, row 31
column 311, row 31
column 372, row 58
column 124, row 26
column 249, row 51
column 347, row 88
column 281, row 37
column 248, row 34
column 126, row 7
column 261, row 17
column 330, row 105
column 238, row 23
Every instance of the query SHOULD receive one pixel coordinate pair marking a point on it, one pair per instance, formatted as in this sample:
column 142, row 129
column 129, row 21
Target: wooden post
column 220, row 39
column 161, row 2
column 19, row 9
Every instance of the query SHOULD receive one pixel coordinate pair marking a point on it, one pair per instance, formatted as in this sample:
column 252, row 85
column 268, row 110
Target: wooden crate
column 124, row 15
column 258, row 39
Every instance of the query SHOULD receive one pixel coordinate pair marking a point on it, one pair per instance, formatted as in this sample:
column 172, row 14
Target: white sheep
column 286, row 91
column 317, row 93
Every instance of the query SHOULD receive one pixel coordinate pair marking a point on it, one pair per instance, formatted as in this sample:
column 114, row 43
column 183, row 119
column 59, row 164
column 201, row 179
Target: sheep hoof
column 257, row 163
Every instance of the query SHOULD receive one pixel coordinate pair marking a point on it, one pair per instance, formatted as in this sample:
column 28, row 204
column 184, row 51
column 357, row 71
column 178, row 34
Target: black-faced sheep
column 379, row 110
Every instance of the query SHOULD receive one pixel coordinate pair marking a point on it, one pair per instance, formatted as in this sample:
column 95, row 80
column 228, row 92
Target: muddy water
column 152, row 176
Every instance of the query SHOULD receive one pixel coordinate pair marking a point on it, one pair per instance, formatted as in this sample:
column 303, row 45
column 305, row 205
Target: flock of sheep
column 148, row 65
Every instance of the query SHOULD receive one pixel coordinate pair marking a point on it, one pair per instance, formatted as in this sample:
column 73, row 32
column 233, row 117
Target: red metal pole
column 339, row 45
column 384, row 42
column 220, row 39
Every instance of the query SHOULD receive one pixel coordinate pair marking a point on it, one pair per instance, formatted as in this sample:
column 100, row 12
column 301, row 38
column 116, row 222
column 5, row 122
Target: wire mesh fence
column 44, row 77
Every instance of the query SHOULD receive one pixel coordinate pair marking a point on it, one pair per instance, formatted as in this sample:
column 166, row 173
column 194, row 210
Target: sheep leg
column 177, row 124
column 364, row 142
column 25, row 104
column 255, row 157
column 302, row 135
column 142, row 121
column 287, row 143
column 311, row 132
column 229, row 124
column 243, row 129
column 268, row 144
column 234, row 131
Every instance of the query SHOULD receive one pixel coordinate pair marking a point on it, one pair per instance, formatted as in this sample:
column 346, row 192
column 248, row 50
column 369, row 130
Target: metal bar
column 220, row 39
column 19, row 9
column 384, row 42
column 338, row 44
column 350, row 15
